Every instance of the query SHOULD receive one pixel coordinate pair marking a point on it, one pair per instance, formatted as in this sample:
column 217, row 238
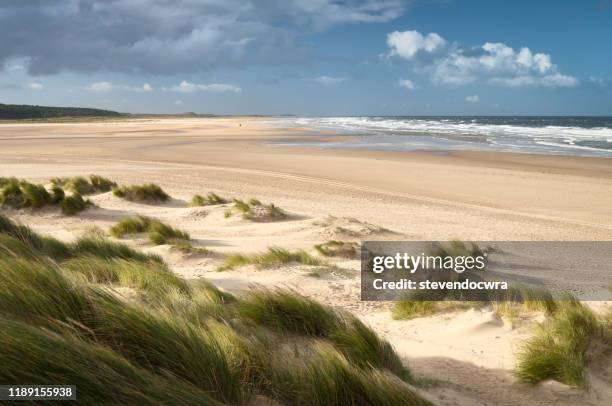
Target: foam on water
column 553, row 135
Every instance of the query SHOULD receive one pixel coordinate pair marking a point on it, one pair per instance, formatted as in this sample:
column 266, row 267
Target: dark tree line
column 16, row 112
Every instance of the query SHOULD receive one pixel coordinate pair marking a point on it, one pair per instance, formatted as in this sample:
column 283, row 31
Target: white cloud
column 108, row 86
column 601, row 82
column 493, row 62
column 177, row 102
column 407, row 84
column 100, row 87
column 35, row 86
column 187, row 87
column 329, row 80
column 472, row 99
column 406, row 44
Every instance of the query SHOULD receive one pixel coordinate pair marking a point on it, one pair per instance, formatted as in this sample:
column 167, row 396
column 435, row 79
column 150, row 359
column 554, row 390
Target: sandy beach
column 333, row 194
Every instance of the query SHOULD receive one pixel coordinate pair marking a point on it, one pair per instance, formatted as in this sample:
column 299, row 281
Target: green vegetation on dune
column 254, row 210
column 21, row 194
column 147, row 193
column 335, row 248
column 564, row 345
column 274, row 256
column 22, row 111
column 159, row 233
column 84, row 186
column 176, row 342
column 208, row 200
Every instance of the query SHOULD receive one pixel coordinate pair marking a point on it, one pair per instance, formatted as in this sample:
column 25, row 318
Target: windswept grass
column 208, row 200
column 84, row 186
column 564, row 345
column 74, row 204
column 288, row 312
column 38, row 356
column 176, row 342
column 86, row 245
column 20, row 194
column 151, row 277
column 335, row 248
column 328, row 378
column 159, row 233
column 274, row 256
column 254, row 210
column 147, row 193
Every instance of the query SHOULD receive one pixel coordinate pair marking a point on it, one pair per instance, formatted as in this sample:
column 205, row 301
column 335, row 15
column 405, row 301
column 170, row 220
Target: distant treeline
column 17, row 112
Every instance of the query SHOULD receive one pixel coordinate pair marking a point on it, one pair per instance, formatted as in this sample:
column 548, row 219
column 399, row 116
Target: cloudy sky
column 310, row 57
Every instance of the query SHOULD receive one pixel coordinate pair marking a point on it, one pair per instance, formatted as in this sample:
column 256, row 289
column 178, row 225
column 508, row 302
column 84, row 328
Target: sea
column 581, row 136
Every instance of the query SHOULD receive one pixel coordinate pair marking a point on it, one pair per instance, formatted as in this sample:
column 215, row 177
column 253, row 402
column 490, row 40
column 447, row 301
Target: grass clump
column 335, row 248
column 254, row 210
column 20, row 194
column 564, row 345
column 147, row 193
column 37, row 356
column 151, row 277
column 74, row 204
column 274, row 256
column 84, row 186
column 328, row 378
column 208, row 200
column 411, row 309
column 287, row 311
column 158, row 233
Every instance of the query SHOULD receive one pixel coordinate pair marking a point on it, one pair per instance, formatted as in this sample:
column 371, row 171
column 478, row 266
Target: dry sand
column 335, row 194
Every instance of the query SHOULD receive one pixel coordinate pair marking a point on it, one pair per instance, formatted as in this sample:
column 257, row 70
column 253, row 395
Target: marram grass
column 178, row 342
column 273, row 256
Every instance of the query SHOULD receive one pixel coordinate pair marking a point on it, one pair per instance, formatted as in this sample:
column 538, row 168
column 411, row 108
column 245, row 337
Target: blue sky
column 310, row 57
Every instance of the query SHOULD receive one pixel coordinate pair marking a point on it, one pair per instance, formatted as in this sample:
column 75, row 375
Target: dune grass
column 74, row 204
column 83, row 186
column 564, row 345
column 274, row 256
column 335, row 248
column 158, row 233
column 288, row 312
column 177, row 342
column 20, row 194
column 38, row 356
column 254, row 210
column 208, row 200
column 147, row 193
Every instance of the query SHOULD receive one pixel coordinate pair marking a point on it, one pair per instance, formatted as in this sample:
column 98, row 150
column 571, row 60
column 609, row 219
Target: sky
column 310, row 57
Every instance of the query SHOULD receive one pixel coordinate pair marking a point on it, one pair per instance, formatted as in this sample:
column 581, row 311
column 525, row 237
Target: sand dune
column 342, row 195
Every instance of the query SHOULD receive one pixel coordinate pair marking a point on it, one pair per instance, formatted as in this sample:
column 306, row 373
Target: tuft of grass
column 57, row 194
column 335, row 248
column 84, row 186
column 254, row 210
column 22, row 194
column 287, row 311
column 561, row 348
column 158, row 232
column 208, row 200
column 274, row 256
column 408, row 309
column 101, row 184
column 38, row 356
column 227, row 213
column 104, row 248
column 74, row 204
column 153, row 278
column 147, row 193
column 328, row 378
column 35, row 196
